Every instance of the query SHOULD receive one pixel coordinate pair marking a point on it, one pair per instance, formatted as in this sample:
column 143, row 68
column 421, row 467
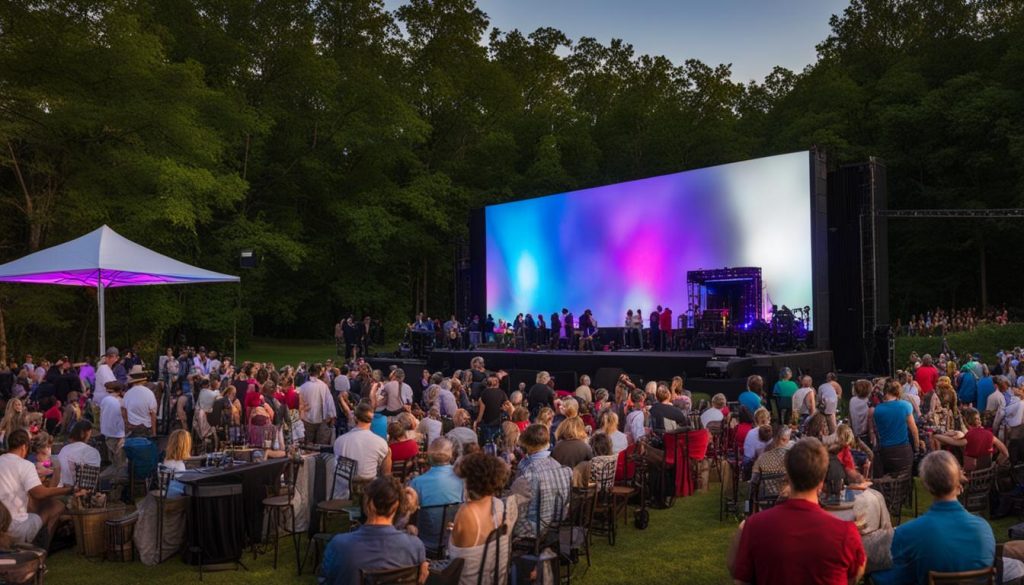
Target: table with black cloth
column 218, row 526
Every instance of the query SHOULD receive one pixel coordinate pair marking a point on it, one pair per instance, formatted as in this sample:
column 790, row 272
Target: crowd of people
column 940, row 321
column 511, row 458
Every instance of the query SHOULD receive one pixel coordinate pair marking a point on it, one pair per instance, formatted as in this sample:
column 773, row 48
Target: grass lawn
column 685, row 544
column 284, row 352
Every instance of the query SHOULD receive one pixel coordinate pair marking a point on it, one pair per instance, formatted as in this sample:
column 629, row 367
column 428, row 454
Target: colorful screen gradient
column 629, row 245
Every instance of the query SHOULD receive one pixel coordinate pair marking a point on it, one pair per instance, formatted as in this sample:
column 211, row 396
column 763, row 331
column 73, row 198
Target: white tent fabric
column 103, row 259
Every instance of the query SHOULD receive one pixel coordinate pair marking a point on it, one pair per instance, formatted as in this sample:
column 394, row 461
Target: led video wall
column 629, row 245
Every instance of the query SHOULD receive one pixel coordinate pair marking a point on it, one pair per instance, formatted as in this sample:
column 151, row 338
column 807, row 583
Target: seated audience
column 714, row 412
column 437, row 487
column 541, row 481
column 978, row 443
column 463, row 433
column 664, row 416
column 430, row 426
column 179, row 449
column 609, row 423
column 946, row 538
column 797, row 541
column 508, row 443
column 571, row 448
column 773, row 460
column 34, row 508
column 78, row 451
column 370, row 452
column 758, row 440
column 752, row 397
column 376, row 544
column 485, row 476
column 402, row 448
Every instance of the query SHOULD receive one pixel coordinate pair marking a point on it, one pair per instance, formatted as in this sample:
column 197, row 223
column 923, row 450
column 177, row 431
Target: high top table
column 217, row 517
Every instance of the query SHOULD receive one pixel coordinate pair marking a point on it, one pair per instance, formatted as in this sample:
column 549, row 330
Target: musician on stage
column 568, row 328
column 666, row 329
column 556, row 330
column 655, row 330
column 588, row 328
column 634, row 329
column 452, row 333
column 542, row 331
column 530, row 327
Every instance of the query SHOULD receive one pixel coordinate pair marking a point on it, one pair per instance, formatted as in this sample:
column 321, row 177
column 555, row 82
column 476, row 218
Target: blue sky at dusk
column 753, row 35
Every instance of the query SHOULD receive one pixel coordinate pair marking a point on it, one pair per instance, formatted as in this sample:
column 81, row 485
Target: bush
column 985, row 340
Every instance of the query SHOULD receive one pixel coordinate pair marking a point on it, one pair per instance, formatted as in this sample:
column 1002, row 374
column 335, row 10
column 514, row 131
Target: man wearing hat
column 139, row 405
column 112, row 423
column 105, row 374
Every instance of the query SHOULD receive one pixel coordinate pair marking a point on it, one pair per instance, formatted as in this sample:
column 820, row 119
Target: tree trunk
column 3, row 337
column 425, row 287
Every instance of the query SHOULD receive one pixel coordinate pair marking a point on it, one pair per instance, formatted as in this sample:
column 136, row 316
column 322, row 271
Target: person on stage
column 452, row 333
column 568, row 328
column 488, row 329
column 628, row 324
column 665, row 326
column 542, row 331
column 588, row 328
column 656, row 329
column 530, row 327
column 556, row 330
column 638, row 329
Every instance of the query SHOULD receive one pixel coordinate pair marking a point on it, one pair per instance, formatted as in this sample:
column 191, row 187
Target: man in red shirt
column 926, row 376
column 665, row 325
column 797, row 541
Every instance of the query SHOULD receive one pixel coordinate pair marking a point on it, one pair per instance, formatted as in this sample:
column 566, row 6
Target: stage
column 604, row 367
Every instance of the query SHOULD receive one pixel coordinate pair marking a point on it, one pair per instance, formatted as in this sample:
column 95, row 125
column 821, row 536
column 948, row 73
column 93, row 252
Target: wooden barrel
column 90, row 527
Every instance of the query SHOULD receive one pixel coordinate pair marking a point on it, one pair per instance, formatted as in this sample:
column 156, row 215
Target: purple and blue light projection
column 629, row 245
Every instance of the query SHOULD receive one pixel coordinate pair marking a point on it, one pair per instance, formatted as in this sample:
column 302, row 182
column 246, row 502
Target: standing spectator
column 783, row 392
column 112, row 424
column 105, row 373
column 860, row 411
column 397, row 394
column 540, row 394
column 489, row 409
column 927, row 375
column 946, row 538
column 139, row 406
column 315, row 405
column 828, row 395
column 797, row 541
column 894, row 419
column 376, row 544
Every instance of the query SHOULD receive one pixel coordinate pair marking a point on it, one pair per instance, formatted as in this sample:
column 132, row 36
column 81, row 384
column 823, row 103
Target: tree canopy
column 346, row 143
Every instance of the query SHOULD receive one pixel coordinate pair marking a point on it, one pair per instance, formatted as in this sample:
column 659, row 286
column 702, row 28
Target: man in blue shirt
column 946, row 538
column 377, row 544
column 986, row 386
column 752, row 397
column 967, row 392
column 435, row 488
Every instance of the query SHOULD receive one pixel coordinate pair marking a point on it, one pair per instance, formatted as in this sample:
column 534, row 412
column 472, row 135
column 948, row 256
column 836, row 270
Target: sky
column 752, row 35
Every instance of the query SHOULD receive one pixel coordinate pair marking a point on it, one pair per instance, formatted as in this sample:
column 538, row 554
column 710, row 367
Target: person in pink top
column 926, row 376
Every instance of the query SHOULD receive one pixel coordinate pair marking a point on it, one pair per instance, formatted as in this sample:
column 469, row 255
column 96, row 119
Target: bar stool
column 120, row 532
column 281, row 504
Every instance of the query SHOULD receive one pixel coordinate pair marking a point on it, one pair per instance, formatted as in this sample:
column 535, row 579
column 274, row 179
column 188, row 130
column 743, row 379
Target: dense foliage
column 346, row 143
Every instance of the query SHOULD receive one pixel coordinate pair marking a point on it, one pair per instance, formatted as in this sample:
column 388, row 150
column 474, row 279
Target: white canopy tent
column 104, row 259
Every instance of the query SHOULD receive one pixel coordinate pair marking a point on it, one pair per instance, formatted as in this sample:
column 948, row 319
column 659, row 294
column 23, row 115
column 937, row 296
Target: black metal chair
column 894, row 490
column 575, row 538
column 976, row 492
column 602, row 475
column 399, row 576
column 764, row 493
column 434, row 526
column 280, row 505
column 164, row 475
column 344, row 471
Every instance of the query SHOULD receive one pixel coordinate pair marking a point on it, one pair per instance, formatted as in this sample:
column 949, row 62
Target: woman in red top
column 979, row 443
column 287, row 394
column 402, row 449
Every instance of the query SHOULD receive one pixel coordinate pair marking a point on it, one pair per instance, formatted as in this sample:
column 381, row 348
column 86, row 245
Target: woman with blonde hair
column 571, row 447
column 179, row 448
column 942, row 406
column 508, row 443
column 15, row 417
column 853, row 454
column 609, row 423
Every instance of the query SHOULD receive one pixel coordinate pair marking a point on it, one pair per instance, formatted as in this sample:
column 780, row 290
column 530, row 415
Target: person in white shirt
column 214, row 364
column 207, row 396
column 77, row 452
column 829, row 397
column 635, row 429
column 1010, row 416
column 316, row 406
column 370, row 452
column 397, row 394
column 139, row 405
column 201, row 363
column 31, row 504
column 342, row 385
column 28, row 366
column 804, row 400
column 997, row 399
column 714, row 413
column 104, row 374
column 430, row 426
column 112, row 424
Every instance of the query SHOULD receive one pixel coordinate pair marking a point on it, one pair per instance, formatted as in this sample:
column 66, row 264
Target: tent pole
column 103, row 323
column 234, row 333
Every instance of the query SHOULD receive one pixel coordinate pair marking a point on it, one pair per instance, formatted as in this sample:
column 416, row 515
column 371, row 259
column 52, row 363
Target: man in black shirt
column 489, row 409
column 540, row 394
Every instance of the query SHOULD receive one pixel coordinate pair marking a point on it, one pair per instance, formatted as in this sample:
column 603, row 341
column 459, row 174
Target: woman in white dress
column 484, row 476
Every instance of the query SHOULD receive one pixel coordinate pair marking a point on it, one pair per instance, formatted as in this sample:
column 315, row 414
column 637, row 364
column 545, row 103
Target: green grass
column 284, row 352
column 985, row 340
column 685, row 544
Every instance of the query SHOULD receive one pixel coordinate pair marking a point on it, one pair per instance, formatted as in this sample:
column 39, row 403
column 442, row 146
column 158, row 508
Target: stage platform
column 604, row 367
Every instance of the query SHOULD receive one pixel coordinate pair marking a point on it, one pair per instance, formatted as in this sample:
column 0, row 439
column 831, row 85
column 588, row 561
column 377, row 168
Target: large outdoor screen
column 629, row 245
